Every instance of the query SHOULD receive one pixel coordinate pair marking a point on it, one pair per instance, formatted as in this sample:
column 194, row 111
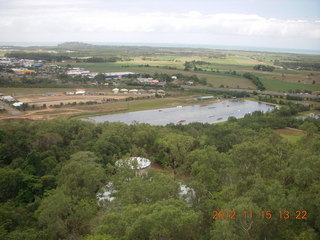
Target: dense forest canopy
column 51, row 172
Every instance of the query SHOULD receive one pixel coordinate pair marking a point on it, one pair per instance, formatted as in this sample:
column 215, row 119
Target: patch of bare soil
column 289, row 131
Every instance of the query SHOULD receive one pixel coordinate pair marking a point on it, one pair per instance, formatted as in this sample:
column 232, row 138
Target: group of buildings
column 20, row 66
column 115, row 91
column 27, row 63
column 10, row 99
column 28, row 66
column 84, row 92
column 112, row 75
column 137, row 91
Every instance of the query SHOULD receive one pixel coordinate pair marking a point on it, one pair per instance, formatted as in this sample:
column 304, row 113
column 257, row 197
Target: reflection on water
column 206, row 113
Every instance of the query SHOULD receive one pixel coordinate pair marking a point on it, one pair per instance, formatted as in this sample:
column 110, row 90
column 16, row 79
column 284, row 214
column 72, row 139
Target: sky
column 291, row 24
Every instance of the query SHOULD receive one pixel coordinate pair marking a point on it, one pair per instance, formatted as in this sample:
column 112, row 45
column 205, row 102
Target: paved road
column 272, row 93
column 10, row 110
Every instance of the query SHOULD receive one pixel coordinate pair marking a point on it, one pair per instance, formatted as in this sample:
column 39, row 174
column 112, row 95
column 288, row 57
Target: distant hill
column 74, row 45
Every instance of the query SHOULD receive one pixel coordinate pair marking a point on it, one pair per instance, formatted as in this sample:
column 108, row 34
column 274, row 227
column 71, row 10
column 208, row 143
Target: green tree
column 10, row 183
column 173, row 149
column 81, row 176
column 63, row 216
column 170, row 219
column 99, row 237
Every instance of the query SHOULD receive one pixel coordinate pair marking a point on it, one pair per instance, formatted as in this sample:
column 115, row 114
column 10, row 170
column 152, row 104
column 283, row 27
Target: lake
column 205, row 113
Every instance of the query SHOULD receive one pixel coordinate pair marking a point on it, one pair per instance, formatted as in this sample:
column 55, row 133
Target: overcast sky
column 259, row 23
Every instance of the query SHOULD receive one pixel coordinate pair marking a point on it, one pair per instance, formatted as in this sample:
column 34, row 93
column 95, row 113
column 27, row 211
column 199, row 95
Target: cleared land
column 69, row 99
column 290, row 134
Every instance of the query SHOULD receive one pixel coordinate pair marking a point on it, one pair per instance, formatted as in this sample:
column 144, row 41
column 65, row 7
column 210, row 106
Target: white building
column 119, row 75
column 80, row 92
column 17, row 104
column 8, row 99
column 139, row 164
column 133, row 91
column 78, row 71
column 115, row 90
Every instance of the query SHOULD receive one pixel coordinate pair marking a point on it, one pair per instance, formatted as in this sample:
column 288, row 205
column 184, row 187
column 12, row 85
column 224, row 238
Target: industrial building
column 119, row 75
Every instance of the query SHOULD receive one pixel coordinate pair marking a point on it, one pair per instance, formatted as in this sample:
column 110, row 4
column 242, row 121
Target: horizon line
column 169, row 45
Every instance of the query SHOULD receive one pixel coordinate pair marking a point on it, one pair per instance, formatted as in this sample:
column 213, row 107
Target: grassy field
column 291, row 134
column 291, row 139
column 280, row 86
column 215, row 67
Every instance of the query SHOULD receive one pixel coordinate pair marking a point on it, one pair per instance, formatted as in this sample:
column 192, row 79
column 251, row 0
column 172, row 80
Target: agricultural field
column 216, row 67
column 283, row 86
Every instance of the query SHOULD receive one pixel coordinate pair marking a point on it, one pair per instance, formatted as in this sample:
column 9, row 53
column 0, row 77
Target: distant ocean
column 174, row 45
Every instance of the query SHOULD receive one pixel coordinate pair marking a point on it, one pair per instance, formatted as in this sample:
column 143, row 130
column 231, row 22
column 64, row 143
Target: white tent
column 115, row 90
column 17, row 104
column 81, row 92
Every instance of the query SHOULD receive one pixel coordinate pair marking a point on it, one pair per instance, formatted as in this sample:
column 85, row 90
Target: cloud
column 62, row 18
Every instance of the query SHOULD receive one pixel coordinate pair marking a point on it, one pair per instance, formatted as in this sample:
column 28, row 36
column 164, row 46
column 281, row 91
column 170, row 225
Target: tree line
column 266, row 68
column 255, row 80
column 49, row 57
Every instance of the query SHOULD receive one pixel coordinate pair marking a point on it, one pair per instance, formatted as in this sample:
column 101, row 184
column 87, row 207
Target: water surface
column 206, row 113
